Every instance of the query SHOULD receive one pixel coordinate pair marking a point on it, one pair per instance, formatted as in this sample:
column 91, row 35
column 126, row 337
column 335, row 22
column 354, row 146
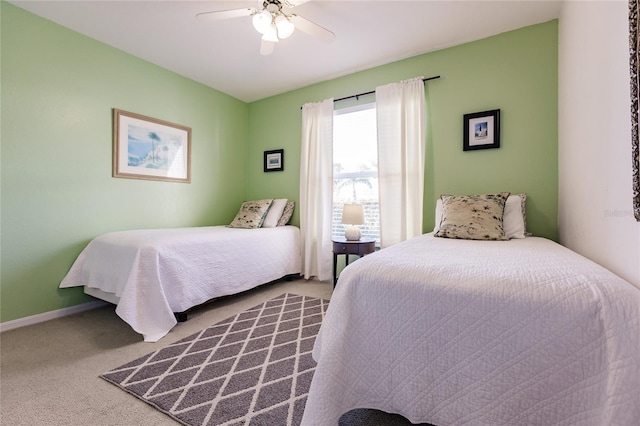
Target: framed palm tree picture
column 148, row 148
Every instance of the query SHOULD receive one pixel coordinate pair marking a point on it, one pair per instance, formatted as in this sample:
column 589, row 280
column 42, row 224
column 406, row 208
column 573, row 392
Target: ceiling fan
column 270, row 20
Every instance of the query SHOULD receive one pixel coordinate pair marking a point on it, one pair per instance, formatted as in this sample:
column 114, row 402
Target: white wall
column 595, row 195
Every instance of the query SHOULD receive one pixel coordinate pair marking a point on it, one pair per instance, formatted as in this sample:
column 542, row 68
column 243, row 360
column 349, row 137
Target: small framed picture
column 274, row 160
column 481, row 130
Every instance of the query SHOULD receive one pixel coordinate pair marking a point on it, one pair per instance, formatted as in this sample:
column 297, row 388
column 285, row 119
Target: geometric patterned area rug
column 251, row 369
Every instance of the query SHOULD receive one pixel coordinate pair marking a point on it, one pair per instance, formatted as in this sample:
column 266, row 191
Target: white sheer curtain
column 401, row 116
column 316, row 189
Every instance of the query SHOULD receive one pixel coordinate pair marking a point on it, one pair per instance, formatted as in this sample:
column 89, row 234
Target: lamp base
column 352, row 233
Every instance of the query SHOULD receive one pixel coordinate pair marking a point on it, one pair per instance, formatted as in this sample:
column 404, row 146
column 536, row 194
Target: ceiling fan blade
column 311, row 28
column 266, row 47
column 224, row 14
column 292, row 3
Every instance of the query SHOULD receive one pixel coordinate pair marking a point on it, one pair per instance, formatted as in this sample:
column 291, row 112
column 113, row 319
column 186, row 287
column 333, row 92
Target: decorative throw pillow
column 514, row 220
column 251, row 214
column 274, row 213
column 473, row 217
column 287, row 213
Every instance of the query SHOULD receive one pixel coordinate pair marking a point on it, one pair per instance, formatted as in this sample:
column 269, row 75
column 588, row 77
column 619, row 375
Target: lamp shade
column 353, row 214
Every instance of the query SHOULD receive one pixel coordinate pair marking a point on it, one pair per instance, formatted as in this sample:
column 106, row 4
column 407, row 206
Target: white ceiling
column 225, row 54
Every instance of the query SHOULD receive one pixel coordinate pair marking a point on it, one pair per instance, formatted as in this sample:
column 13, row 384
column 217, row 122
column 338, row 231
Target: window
column 355, row 167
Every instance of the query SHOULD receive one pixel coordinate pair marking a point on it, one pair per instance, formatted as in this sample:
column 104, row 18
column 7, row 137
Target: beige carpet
column 49, row 372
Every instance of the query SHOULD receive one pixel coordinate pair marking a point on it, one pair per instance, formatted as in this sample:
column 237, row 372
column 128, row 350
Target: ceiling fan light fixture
column 262, row 21
column 272, row 22
column 271, row 34
column 284, row 26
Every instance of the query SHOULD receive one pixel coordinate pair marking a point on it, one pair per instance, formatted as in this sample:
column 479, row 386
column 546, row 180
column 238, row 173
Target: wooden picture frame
column 149, row 148
column 274, row 160
column 481, row 130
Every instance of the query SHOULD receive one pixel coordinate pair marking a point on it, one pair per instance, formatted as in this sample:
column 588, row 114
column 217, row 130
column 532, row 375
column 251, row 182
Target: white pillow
column 274, row 213
column 513, row 221
column 436, row 228
column 514, row 217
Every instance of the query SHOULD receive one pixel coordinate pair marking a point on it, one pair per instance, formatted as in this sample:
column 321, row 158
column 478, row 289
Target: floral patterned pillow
column 287, row 213
column 473, row 217
column 251, row 214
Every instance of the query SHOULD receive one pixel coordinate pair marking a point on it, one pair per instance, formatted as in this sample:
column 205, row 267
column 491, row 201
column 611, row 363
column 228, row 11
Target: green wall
column 58, row 89
column 515, row 72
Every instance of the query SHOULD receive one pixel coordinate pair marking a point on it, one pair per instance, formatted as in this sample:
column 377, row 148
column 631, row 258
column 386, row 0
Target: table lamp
column 352, row 215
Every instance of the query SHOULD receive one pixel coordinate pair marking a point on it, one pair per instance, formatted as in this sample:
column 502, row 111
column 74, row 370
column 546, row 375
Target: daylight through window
column 355, row 167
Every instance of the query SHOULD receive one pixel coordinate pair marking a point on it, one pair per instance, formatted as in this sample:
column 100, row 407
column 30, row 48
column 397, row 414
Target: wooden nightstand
column 360, row 248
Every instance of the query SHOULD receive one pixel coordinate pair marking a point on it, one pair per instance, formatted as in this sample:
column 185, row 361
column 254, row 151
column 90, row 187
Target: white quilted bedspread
column 156, row 272
column 455, row 332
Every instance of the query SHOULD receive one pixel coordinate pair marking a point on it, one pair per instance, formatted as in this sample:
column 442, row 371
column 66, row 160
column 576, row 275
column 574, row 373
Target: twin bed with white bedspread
column 153, row 273
column 456, row 332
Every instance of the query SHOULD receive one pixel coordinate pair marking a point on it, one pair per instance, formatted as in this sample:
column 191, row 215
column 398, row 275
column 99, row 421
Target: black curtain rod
column 373, row 91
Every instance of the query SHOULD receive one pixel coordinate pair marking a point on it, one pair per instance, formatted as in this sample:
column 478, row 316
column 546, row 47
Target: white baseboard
column 59, row 313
